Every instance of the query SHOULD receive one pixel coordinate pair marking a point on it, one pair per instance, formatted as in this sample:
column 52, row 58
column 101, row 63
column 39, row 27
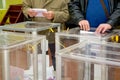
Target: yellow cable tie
column 116, row 38
column 51, row 30
column 32, row 47
column 112, row 38
column 29, row 47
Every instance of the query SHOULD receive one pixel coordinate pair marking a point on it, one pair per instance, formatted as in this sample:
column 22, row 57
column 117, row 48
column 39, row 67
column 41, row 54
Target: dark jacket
column 77, row 10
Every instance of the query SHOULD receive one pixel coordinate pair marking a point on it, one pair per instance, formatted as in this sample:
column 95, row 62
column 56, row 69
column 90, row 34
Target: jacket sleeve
column 27, row 4
column 75, row 11
column 62, row 14
column 114, row 19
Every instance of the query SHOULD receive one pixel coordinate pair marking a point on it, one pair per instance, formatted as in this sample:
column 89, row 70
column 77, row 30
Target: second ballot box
column 87, row 57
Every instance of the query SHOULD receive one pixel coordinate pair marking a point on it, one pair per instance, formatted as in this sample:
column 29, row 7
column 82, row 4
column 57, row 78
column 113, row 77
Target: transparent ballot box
column 81, row 57
column 19, row 56
column 35, row 28
column 31, row 27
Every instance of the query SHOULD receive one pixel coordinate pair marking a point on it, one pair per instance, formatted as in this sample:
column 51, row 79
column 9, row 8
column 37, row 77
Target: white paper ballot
column 86, row 32
column 39, row 11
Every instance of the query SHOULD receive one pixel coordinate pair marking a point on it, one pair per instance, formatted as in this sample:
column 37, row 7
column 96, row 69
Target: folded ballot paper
column 39, row 12
column 92, row 33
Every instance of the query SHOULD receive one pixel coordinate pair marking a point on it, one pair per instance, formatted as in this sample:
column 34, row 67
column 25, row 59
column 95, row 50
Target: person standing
column 57, row 12
column 100, row 14
column 103, row 15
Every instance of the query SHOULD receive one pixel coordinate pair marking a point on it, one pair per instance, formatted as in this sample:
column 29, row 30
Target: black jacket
column 77, row 10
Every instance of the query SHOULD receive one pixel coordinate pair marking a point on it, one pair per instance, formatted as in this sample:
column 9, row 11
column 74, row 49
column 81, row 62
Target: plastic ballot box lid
column 12, row 39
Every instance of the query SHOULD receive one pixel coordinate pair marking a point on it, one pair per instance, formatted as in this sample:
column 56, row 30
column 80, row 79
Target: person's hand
column 31, row 13
column 49, row 14
column 84, row 25
column 102, row 28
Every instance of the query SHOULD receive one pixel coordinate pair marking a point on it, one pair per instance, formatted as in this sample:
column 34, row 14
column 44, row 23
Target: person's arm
column 27, row 5
column 77, row 14
column 115, row 16
column 75, row 11
column 61, row 15
column 113, row 20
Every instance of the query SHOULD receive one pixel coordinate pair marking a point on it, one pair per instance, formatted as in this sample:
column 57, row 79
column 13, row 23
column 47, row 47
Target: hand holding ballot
column 49, row 14
column 35, row 12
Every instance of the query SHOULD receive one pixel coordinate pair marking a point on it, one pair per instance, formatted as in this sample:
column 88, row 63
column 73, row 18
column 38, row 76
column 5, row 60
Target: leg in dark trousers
column 52, row 49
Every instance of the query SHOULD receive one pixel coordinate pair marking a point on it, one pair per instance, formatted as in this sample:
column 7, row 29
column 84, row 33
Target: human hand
column 49, row 14
column 31, row 13
column 84, row 25
column 102, row 28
